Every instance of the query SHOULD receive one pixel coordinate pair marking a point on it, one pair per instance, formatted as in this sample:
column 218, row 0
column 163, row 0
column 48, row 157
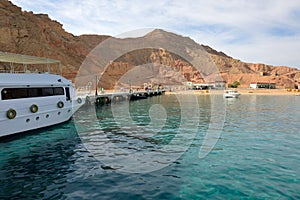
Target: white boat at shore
column 231, row 94
column 33, row 100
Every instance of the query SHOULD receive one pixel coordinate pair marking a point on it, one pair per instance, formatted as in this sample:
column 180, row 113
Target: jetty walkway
column 112, row 97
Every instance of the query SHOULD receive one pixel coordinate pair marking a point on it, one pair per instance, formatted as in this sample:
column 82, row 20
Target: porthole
column 58, row 113
column 47, row 116
column 28, row 120
column 34, row 108
column 37, row 118
column 60, row 104
column 11, row 114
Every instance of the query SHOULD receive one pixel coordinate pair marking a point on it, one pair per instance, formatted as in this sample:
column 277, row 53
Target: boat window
column 47, row 91
column 68, row 94
column 5, row 94
column 17, row 93
column 33, row 92
column 58, row 91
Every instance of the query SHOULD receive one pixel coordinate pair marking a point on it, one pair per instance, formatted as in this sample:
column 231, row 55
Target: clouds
column 254, row 31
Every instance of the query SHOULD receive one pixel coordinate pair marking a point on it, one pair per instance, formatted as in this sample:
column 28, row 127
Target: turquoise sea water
column 257, row 155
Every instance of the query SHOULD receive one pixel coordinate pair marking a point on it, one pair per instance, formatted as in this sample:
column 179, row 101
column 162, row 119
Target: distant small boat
column 137, row 96
column 231, row 94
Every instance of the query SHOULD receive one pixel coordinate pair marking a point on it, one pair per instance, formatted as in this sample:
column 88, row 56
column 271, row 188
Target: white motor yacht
column 33, row 100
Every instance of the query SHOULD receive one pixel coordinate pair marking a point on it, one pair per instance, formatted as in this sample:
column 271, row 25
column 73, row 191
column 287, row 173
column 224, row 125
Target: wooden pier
column 113, row 97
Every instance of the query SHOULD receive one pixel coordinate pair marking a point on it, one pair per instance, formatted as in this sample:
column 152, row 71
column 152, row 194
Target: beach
column 244, row 91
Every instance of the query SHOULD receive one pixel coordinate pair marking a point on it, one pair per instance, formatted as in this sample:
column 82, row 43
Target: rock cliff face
column 245, row 73
column 36, row 34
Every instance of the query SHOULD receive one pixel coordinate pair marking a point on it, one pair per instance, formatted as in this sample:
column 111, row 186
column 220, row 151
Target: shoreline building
column 218, row 85
column 266, row 85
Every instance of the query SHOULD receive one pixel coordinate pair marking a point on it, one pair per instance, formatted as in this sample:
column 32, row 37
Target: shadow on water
column 36, row 162
column 140, row 129
column 10, row 138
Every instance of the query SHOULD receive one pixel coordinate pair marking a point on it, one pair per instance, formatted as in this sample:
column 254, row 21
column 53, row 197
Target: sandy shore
column 268, row 92
column 244, row 91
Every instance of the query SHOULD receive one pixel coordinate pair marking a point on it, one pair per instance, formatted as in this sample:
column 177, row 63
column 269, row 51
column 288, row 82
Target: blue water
column 257, row 155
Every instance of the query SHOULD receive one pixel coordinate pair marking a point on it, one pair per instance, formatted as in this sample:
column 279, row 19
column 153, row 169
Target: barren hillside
column 36, row 34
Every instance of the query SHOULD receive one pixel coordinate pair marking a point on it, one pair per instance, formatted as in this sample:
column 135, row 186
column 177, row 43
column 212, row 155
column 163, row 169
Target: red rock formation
column 36, row 34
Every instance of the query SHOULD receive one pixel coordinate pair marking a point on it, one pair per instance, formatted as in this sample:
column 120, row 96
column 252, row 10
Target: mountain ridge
column 36, row 34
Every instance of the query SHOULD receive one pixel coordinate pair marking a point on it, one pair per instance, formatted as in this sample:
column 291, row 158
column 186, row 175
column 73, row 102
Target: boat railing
column 19, row 63
column 21, row 72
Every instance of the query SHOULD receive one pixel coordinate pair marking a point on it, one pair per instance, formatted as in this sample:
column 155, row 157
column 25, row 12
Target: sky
column 256, row 31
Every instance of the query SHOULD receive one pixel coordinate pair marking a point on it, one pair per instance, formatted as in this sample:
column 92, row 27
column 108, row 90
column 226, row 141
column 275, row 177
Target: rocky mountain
column 36, row 34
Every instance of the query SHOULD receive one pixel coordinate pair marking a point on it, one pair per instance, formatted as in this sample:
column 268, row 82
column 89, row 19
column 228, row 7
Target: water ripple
column 256, row 157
